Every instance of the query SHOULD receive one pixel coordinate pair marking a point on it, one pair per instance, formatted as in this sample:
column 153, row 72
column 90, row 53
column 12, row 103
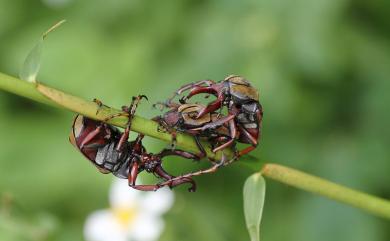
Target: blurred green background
column 322, row 68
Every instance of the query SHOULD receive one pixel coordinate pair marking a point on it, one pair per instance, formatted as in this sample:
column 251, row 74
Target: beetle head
column 171, row 118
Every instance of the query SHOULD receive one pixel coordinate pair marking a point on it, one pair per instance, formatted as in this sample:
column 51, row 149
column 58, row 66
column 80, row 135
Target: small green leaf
column 32, row 62
column 254, row 194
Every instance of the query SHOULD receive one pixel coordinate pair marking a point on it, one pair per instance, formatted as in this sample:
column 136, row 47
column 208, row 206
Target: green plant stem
column 309, row 183
column 53, row 97
column 46, row 95
column 22, row 88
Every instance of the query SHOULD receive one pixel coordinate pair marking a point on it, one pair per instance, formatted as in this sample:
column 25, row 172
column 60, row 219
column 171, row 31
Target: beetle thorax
column 189, row 113
column 241, row 90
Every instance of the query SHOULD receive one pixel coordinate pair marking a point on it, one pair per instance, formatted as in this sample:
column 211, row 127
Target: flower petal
column 146, row 228
column 157, row 202
column 102, row 226
column 121, row 195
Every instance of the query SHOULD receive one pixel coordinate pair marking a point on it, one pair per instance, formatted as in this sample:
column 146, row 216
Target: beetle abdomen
column 109, row 158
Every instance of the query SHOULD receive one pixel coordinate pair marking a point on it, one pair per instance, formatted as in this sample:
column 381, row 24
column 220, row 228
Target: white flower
column 133, row 215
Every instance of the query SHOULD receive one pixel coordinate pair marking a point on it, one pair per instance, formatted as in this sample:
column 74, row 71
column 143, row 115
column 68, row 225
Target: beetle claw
column 99, row 104
column 143, row 96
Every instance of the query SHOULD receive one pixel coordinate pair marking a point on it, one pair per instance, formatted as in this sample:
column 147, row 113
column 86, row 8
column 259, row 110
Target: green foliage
column 32, row 63
column 254, row 196
column 321, row 67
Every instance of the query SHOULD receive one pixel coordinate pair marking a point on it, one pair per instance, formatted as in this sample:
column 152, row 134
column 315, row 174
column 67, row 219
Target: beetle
column 111, row 152
column 212, row 126
column 126, row 162
column 242, row 102
column 182, row 117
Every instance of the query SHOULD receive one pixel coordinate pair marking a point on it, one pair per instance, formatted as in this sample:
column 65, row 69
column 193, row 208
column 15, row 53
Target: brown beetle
column 213, row 127
column 242, row 101
column 183, row 117
column 108, row 149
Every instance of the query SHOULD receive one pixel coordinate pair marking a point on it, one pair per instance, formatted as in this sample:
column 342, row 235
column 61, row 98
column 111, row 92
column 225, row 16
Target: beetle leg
column 253, row 141
column 190, row 86
column 125, row 113
column 172, row 181
column 99, row 104
column 145, row 187
column 162, row 126
column 251, row 138
column 200, row 147
column 93, row 134
column 212, row 169
column 133, row 173
column 233, row 136
column 185, row 154
column 131, row 111
column 115, row 115
column 137, row 147
column 223, row 146
column 159, row 171
column 212, row 106
column 208, row 83
column 197, row 90
column 216, row 123
column 174, row 139
column 132, row 177
column 180, row 181
column 246, row 150
column 90, row 136
column 123, row 139
column 171, row 184
column 162, row 173
column 170, row 152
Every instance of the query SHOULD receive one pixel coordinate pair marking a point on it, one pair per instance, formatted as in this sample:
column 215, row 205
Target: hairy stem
column 309, row 183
